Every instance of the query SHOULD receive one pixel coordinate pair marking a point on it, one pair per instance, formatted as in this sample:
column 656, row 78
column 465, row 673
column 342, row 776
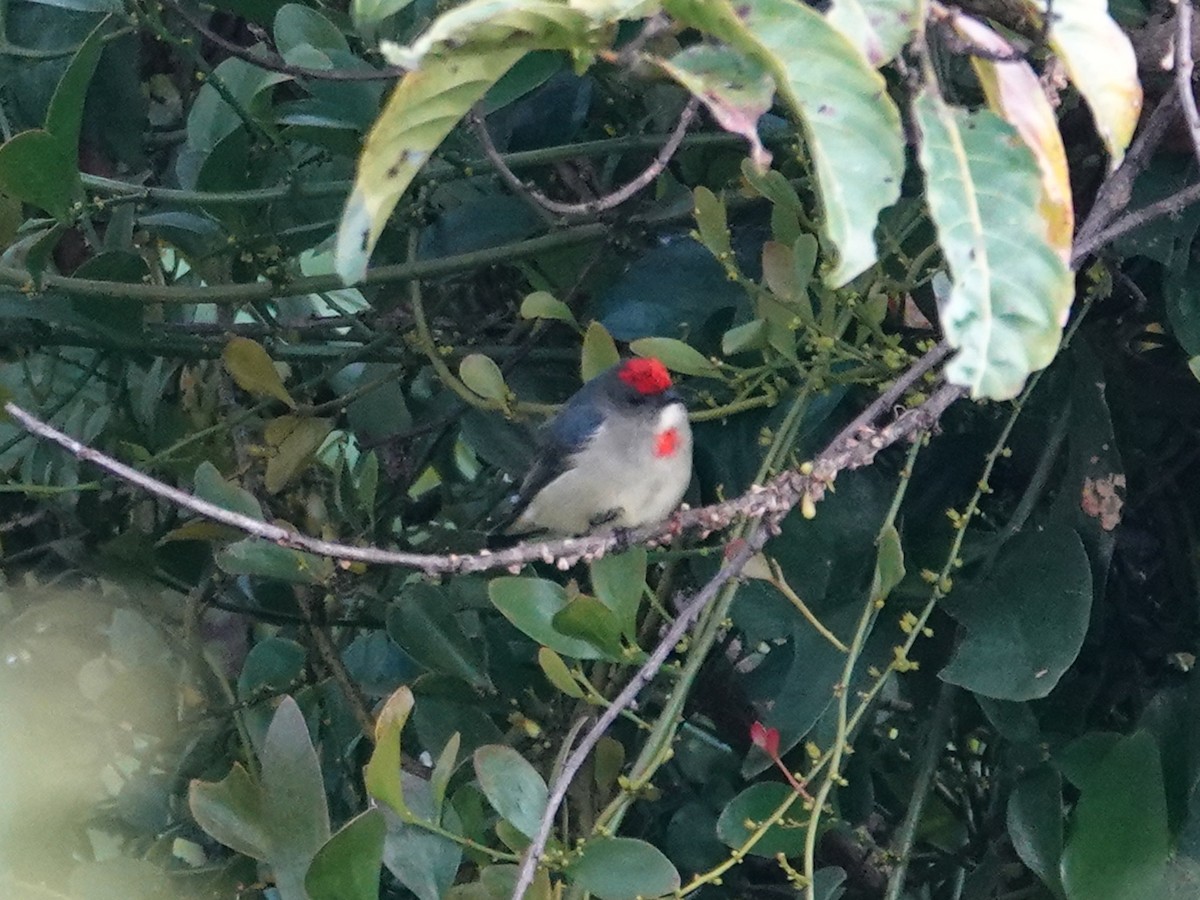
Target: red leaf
column 766, row 739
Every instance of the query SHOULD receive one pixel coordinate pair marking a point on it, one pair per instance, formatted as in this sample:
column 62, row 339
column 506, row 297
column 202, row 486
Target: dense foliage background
column 978, row 653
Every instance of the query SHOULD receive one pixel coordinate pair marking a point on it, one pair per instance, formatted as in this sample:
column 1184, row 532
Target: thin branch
column 1114, row 194
column 276, row 63
column 671, row 637
column 600, row 204
column 1183, row 72
column 854, row 447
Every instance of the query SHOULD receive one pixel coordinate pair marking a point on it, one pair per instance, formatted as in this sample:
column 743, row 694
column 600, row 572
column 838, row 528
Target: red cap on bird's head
column 646, row 376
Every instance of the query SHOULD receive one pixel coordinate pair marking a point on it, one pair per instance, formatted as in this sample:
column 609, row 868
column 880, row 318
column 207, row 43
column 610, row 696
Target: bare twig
column 276, row 63
column 1114, row 194
column 1183, row 72
column 600, row 204
column 622, row 701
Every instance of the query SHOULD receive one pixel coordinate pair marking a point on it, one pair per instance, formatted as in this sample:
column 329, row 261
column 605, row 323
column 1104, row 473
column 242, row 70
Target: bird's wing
column 563, row 436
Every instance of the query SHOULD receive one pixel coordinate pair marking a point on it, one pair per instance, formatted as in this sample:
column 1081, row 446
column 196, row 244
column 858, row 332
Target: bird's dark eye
column 636, row 399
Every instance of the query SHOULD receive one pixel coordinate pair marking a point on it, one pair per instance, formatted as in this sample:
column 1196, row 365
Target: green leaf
column 512, row 786
column 255, row 556
column 878, row 28
column 736, row 89
column 425, row 105
column 253, row 370
column 367, row 14
column 751, row 336
column 423, row 862
column 40, row 167
column 295, row 441
column 599, row 351
column 481, row 25
column 381, row 775
column 209, row 485
column 1026, row 624
column 1035, row 824
column 531, row 604
column 1010, row 290
column 852, row 128
column 618, row 580
column 607, row 762
column 231, row 810
column 481, row 374
column 558, row 674
column 294, row 799
column 617, row 868
column 347, row 867
column 298, row 26
column 590, row 620
column 753, row 806
column 1119, row 843
column 889, row 564
column 676, row 356
column 447, row 761
column 421, row 622
column 543, row 305
column 712, row 225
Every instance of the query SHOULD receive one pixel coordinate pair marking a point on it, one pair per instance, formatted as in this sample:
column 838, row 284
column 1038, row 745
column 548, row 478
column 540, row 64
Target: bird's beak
column 670, row 395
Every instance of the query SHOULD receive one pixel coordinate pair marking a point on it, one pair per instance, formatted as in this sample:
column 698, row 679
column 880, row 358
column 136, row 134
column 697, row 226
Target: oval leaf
column 481, row 374
column 676, row 356
column 558, row 673
column 512, row 786
column 251, row 367
column 254, row 556
column 347, row 867
column 543, row 305
column 296, row 441
column 231, row 810
column 381, row 775
column 1027, row 623
column 531, row 604
column 599, row 351
column 616, row 868
column 744, row 813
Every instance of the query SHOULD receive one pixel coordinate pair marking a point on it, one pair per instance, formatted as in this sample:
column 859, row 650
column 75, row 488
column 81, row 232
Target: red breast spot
column 666, row 442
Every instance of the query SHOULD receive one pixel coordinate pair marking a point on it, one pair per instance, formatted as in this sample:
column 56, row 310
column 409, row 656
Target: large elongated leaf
column 487, row 24
column 852, row 127
column 1010, row 290
column 879, row 28
column 423, row 108
column 1119, row 842
column 1014, row 93
column 1100, row 63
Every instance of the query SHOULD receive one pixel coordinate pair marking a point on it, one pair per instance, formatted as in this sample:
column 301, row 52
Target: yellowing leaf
column 1100, row 63
column 1010, row 290
column 483, row 376
column 425, row 105
column 1013, row 92
column 382, row 773
column 295, row 441
column 251, row 367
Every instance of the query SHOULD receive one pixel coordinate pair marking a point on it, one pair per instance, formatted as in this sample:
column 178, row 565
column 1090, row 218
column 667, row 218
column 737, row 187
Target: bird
column 617, row 455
